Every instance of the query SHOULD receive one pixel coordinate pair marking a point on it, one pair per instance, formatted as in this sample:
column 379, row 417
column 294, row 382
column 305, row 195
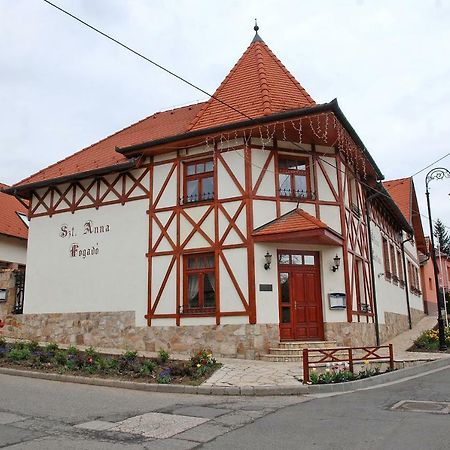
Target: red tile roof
column 10, row 223
column 258, row 85
column 294, row 221
column 401, row 192
column 103, row 153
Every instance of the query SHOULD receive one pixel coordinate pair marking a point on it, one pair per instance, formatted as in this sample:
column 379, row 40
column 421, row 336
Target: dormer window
column 293, row 177
column 199, row 181
column 24, row 218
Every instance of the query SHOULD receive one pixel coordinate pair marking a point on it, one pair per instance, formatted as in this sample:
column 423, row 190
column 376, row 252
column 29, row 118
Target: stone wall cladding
column 8, row 281
column 359, row 334
column 117, row 330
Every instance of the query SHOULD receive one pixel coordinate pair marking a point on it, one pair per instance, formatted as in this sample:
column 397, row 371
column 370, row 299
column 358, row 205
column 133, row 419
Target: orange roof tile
column 291, row 222
column 10, row 223
column 258, row 85
column 401, row 192
column 103, row 153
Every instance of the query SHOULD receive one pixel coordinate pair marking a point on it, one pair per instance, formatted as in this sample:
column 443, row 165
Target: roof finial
column 257, row 37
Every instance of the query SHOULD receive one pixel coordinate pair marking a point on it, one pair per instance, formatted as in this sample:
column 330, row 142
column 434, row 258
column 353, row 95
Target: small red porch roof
column 10, row 223
column 297, row 226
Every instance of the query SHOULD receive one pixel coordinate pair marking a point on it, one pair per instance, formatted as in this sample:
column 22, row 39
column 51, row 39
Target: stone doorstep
column 300, row 345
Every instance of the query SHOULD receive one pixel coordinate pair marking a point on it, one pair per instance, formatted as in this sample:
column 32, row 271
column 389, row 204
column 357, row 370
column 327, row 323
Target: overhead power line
column 140, row 55
column 159, row 66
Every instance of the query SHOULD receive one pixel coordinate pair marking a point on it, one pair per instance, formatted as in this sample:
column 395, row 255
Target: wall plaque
column 265, row 287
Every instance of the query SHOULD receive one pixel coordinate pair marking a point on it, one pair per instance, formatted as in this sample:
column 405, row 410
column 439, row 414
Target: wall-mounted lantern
column 337, row 263
column 268, row 258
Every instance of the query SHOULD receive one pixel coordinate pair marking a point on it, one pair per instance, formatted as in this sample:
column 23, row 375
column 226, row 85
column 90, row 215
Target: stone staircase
column 292, row 351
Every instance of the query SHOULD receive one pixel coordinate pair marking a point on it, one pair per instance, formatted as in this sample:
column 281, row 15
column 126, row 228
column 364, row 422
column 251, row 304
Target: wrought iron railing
column 194, row 198
column 297, row 194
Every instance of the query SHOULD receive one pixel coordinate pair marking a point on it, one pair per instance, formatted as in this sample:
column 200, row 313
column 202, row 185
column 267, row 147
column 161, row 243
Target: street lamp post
column 438, row 173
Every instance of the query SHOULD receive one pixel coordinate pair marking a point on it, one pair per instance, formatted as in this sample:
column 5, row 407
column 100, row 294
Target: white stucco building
column 232, row 224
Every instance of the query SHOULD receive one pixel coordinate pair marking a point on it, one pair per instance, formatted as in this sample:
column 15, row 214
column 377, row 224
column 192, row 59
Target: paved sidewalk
column 239, row 373
column 404, row 341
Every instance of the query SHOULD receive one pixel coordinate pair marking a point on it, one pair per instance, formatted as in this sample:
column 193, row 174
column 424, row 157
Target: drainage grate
column 422, row 406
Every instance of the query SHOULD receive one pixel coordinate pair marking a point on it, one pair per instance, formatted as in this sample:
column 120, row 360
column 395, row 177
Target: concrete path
column 404, row 341
column 240, row 373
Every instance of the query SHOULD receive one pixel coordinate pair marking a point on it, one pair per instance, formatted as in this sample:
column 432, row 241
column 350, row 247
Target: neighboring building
column 229, row 224
column 428, row 283
column 13, row 231
column 443, row 263
column 420, row 282
column 13, row 252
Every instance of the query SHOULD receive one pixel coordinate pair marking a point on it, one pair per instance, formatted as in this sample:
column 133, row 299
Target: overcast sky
column 64, row 87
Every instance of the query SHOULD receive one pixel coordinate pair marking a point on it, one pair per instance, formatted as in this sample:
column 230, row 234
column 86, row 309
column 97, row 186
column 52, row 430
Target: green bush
column 72, row 350
column 130, row 355
column 163, row 356
column 164, row 377
column 147, row 368
column 33, row 345
column 61, row 357
column 429, row 339
column 112, row 364
column 19, row 354
column 52, row 347
column 91, row 353
column 19, row 345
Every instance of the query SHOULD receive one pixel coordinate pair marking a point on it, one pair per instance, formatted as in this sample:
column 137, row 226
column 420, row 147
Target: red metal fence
column 346, row 354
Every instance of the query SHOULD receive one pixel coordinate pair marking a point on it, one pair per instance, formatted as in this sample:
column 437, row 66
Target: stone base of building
column 431, row 308
column 358, row 334
column 8, row 282
column 117, row 330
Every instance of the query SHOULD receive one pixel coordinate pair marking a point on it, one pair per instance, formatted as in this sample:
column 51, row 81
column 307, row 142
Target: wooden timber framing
column 138, row 184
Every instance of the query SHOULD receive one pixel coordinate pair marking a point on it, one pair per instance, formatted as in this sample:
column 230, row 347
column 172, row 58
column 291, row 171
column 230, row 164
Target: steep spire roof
column 258, row 85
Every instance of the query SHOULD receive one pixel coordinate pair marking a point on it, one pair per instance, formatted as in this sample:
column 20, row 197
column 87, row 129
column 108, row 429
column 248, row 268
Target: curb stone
column 267, row 390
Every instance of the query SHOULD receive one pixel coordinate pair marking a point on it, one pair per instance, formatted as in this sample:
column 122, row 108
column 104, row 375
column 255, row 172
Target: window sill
column 184, row 202
column 293, row 198
column 198, row 312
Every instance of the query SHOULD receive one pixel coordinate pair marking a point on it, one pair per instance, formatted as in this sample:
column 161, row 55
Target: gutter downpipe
column 406, row 280
column 372, row 269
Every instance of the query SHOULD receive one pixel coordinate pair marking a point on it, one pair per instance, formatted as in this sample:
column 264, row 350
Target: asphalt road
column 39, row 414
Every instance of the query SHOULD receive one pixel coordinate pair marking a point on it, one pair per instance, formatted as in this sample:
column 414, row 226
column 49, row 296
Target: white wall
column 390, row 297
column 13, row 250
column 267, row 302
column 114, row 279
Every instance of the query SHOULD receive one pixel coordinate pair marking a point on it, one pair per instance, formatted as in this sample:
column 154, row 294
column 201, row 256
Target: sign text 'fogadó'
column 77, row 250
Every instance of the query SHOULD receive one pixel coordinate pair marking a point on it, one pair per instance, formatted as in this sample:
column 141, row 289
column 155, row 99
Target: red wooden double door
column 301, row 316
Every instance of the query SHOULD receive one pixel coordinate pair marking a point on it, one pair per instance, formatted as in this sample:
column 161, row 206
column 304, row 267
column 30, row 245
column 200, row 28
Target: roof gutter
column 325, row 107
column 15, row 190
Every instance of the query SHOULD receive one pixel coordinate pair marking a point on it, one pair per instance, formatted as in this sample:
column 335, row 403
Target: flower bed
column 128, row 366
column 340, row 373
column 428, row 341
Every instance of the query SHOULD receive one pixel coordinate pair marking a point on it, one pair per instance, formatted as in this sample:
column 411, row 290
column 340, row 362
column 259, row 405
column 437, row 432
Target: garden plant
column 29, row 355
